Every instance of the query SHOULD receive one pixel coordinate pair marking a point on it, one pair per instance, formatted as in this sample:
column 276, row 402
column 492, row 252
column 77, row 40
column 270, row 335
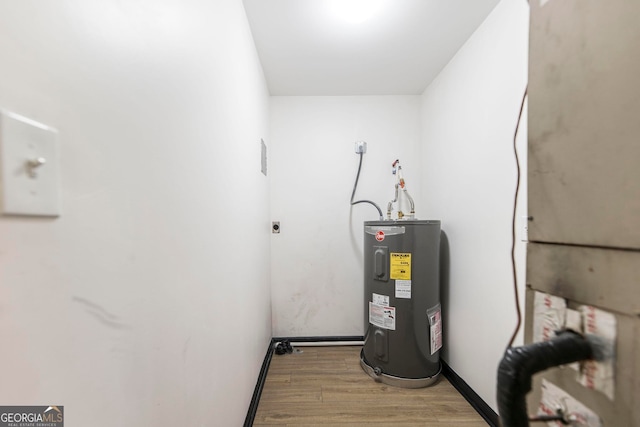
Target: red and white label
column 599, row 375
column 435, row 321
column 380, row 236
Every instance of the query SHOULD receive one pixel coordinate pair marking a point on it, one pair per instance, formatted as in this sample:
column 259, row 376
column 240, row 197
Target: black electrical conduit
column 354, row 192
column 520, row 363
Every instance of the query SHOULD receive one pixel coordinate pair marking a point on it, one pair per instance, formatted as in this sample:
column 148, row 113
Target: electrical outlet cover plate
column 25, row 190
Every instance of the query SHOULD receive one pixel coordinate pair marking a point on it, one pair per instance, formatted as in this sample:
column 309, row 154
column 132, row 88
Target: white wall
column 469, row 115
column 317, row 264
column 147, row 302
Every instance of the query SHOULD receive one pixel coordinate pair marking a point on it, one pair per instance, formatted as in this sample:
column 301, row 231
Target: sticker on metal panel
column 382, row 317
column 435, row 328
column 599, row 375
column 380, row 236
column 548, row 316
column 400, row 268
column 378, row 299
column 403, row 289
column 553, row 397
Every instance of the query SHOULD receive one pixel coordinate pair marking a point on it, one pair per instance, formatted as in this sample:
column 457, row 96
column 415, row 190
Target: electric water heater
column 403, row 324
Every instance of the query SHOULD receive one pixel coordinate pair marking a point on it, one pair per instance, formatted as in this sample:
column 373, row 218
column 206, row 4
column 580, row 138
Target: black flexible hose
column 353, row 193
column 520, row 363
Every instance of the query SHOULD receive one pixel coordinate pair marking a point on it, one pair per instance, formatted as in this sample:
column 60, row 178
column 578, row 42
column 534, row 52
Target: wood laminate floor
column 325, row 386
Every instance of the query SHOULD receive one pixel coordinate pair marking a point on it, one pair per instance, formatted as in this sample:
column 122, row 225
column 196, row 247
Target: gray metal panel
column 584, row 179
column 606, row 278
column 584, row 126
column 380, row 263
column 624, row 410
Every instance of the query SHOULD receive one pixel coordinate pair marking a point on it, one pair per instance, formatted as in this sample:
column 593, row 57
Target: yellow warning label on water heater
column 400, row 266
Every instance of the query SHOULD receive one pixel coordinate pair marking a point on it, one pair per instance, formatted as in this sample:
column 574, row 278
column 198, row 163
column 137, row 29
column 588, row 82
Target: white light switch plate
column 28, row 190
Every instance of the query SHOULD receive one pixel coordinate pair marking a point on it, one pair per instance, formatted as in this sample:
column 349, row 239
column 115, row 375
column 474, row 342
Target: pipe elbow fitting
column 519, row 364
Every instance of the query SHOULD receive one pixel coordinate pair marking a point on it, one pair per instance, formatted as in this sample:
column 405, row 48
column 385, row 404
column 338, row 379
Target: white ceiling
column 307, row 49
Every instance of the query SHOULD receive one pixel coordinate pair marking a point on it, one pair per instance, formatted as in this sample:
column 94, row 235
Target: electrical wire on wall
column 355, row 185
column 513, row 225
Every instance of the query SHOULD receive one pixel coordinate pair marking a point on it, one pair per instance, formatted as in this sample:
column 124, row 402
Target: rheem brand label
column 380, row 236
